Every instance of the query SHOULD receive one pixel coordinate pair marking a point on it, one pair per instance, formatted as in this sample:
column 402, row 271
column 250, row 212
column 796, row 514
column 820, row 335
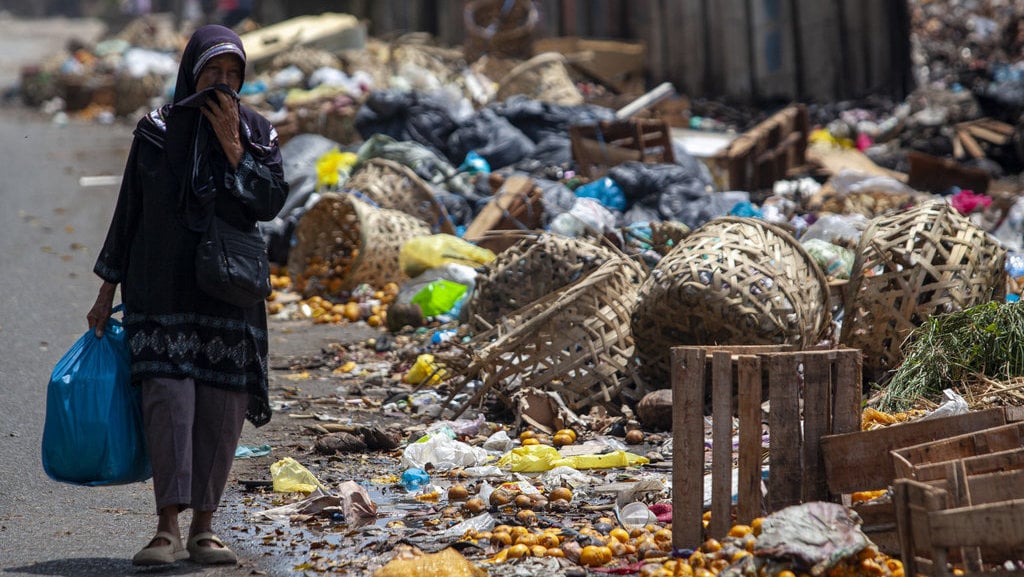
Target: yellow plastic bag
column 606, row 461
column 423, row 253
column 425, row 368
column 530, row 459
column 289, row 477
column 447, row 563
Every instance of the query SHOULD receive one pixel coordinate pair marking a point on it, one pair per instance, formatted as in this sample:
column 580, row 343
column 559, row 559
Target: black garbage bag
column 539, row 120
column 492, row 137
column 459, row 208
column 557, row 198
column 299, row 156
column 679, row 192
column 553, row 150
column 407, row 116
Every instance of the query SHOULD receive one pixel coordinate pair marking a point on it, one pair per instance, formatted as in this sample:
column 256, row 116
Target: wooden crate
column 927, row 459
column 978, row 523
column 598, row 147
column 738, row 379
column 766, row 153
column 858, row 461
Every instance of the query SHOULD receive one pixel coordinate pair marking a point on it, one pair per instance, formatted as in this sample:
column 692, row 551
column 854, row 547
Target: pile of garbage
column 444, row 205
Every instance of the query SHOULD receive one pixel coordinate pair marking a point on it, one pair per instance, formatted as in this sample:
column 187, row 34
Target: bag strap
column 117, row 309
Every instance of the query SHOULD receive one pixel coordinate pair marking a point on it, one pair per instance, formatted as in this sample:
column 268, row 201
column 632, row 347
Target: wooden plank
column 857, row 461
column 688, row 446
column 730, row 68
column 652, row 30
column 748, row 498
column 997, row 486
column 847, row 394
column 989, row 440
column 816, row 48
column 817, row 415
column 721, row 443
column 998, row 461
column 854, row 33
column 979, row 131
column 550, row 18
column 685, row 28
column 970, row 144
column 996, row 525
column 494, row 211
column 784, row 425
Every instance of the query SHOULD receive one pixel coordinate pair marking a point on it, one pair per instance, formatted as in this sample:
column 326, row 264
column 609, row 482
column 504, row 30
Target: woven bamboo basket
column 532, row 268
column 733, row 281
column 135, row 95
column 924, row 261
column 544, row 77
column 508, row 35
column 343, row 241
column 575, row 341
column 395, row 186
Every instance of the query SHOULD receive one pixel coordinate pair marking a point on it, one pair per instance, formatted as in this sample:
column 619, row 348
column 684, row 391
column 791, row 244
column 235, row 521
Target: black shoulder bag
column 232, row 264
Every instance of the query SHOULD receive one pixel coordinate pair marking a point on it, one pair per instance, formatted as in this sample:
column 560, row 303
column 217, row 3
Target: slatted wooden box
column 767, row 152
column 857, row 462
column 970, row 511
column 738, row 379
column 596, row 148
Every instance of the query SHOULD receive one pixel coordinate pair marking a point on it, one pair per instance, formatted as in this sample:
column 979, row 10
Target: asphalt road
column 51, row 228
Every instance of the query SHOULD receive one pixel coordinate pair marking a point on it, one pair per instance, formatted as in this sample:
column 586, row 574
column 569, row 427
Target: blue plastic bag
column 93, row 433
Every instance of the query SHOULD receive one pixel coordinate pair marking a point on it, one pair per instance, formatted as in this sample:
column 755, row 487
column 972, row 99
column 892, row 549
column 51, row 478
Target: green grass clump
column 951, row 349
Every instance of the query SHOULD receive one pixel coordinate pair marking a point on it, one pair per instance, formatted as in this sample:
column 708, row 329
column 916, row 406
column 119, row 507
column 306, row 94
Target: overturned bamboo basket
column 544, row 77
column 733, row 281
column 537, row 265
column 911, row 265
column 499, row 28
column 575, row 341
column 342, row 242
column 395, row 186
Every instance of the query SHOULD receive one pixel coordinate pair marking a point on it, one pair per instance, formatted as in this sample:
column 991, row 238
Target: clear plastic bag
column 93, row 431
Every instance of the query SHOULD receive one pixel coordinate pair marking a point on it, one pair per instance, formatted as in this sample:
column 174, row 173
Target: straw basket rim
column 542, row 59
column 778, row 230
column 524, row 28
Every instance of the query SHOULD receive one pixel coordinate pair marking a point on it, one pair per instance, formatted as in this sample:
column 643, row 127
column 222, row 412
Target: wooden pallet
column 596, row 148
column 737, row 380
column 768, row 152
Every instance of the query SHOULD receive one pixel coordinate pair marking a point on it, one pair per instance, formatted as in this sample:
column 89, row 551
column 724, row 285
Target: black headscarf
column 193, row 154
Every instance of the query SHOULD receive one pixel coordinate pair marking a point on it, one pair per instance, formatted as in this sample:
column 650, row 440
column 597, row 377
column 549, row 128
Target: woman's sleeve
column 259, row 182
column 112, row 262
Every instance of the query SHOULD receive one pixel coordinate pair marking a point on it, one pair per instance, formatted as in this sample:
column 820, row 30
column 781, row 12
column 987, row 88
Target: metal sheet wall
column 750, row 50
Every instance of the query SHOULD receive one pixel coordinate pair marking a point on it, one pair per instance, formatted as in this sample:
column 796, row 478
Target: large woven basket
column 534, row 267
column 544, row 77
column 924, row 261
column 343, row 241
column 489, row 31
column 575, row 341
column 393, row 185
column 733, row 281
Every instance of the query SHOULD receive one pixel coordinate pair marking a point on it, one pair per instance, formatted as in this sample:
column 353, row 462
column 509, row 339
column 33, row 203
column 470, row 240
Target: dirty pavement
column 531, row 318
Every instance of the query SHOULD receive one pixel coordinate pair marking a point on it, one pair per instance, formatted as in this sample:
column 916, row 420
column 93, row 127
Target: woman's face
column 223, row 69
